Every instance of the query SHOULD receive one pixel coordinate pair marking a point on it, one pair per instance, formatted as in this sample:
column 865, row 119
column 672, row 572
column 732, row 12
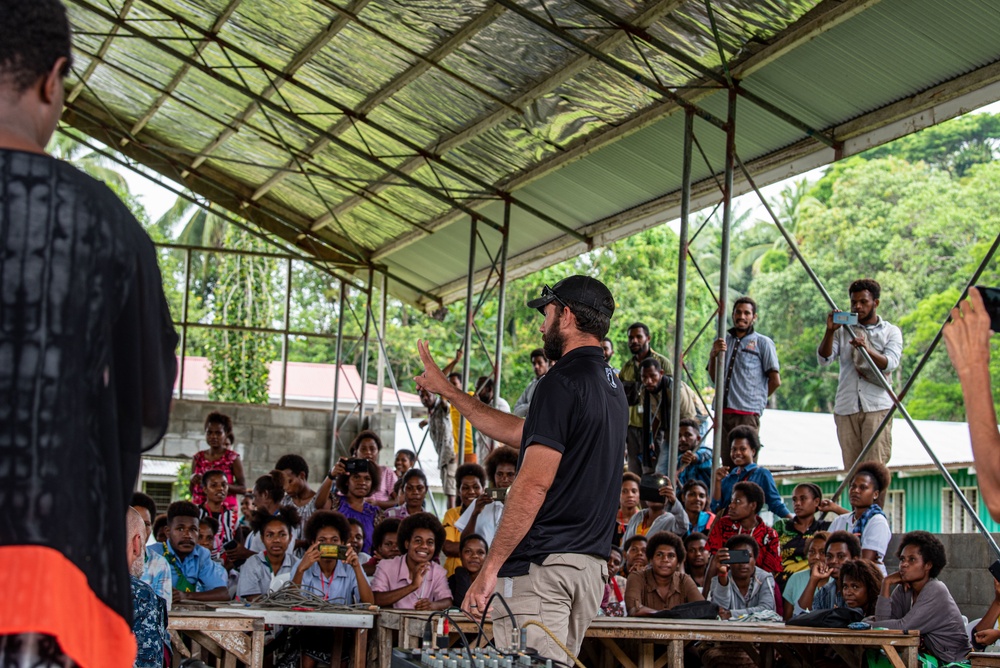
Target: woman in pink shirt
column 414, row 580
column 367, row 445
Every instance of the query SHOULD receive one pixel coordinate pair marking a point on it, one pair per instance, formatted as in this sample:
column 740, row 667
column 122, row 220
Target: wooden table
column 984, row 659
column 760, row 640
column 632, row 642
column 236, row 632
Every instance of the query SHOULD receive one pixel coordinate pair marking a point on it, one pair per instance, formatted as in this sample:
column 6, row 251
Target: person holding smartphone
column 741, row 588
column 861, row 402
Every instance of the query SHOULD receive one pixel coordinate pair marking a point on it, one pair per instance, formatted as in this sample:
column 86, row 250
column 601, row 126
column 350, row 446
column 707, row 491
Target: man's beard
column 553, row 342
column 137, row 566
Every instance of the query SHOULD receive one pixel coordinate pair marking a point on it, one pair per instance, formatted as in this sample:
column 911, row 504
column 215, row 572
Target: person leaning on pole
column 549, row 556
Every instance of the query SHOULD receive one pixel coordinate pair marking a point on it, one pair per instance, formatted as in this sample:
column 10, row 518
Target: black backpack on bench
column 834, row 618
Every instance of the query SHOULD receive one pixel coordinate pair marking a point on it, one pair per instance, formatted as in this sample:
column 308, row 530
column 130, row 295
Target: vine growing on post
column 239, row 361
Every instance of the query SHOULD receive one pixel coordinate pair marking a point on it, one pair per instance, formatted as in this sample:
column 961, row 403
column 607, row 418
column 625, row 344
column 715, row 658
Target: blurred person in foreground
column 967, row 336
column 88, row 368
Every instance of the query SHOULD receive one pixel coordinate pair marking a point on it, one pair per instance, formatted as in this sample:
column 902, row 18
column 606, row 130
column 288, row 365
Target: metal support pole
column 184, row 314
column 727, row 220
column 380, row 368
column 501, row 303
column 877, row 373
column 399, row 401
column 335, row 430
column 678, row 361
column 364, row 354
column 470, row 314
column 284, row 335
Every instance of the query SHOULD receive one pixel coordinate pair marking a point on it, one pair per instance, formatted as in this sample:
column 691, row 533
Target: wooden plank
column 361, row 647
column 613, row 647
column 978, row 659
column 646, row 655
column 674, row 655
column 893, row 656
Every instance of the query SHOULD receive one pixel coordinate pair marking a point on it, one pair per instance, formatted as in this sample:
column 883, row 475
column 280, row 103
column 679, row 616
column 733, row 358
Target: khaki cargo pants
column 563, row 593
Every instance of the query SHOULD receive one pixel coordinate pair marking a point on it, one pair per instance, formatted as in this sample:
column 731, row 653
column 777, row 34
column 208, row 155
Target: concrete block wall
column 265, row 433
column 966, row 574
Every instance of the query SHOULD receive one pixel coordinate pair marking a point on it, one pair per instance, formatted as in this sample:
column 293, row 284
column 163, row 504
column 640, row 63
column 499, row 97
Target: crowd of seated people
column 687, row 547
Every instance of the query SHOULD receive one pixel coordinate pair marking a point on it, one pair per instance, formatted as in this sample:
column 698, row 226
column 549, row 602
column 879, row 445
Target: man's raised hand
column 432, row 378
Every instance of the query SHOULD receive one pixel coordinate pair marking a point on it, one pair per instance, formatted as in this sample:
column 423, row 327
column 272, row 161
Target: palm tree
column 65, row 147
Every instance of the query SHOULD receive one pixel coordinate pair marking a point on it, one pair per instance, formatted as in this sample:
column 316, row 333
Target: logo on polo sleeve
column 611, row 377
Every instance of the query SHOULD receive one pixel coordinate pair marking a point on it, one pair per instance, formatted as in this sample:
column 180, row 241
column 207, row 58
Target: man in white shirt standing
column 861, row 402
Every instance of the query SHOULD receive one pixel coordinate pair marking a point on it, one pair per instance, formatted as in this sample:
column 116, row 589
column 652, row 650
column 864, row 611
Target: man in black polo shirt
column 549, row 556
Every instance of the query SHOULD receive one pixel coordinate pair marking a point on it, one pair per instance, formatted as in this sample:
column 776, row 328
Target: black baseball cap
column 580, row 289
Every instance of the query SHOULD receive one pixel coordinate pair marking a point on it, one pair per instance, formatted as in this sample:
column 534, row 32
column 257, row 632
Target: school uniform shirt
column 256, row 575
column 673, row 519
column 198, row 567
column 340, row 587
column 486, row 523
column 876, row 535
column 392, row 574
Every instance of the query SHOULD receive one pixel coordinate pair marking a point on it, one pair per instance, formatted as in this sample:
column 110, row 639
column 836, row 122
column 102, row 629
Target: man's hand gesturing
column 432, row 379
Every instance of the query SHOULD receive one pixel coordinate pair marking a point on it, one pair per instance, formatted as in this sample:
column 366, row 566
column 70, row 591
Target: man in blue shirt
column 195, row 576
column 149, row 611
column 750, row 368
column 694, row 458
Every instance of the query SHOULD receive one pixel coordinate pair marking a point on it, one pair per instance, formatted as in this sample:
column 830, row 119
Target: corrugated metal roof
column 318, row 120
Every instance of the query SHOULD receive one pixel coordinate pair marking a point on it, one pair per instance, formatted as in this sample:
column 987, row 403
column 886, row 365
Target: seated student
column 743, row 447
column 815, row 553
column 411, row 495
column 860, row 584
column 694, row 458
column 986, row 631
column 268, row 493
column 155, row 571
column 913, row 598
column 414, row 580
column 628, row 505
column 207, row 529
column 357, row 538
column 635, row 555
column 333, row 579
column 742, row 518
column 225, row 518
column 668, row 515
column 471, row 482
column 273, row 566
column 867, row 521
column 194, row 576
column 840, row 546
column 482, row 517
column 696, row 557
column 664, row 585
column 613, row 601
column 474, row 550
column 354, row 490
column 794, row 532
column 694, row 496
column 160, row 528
column 149, row 611
column 298, row 493
column 741, row 589
column 384, row 544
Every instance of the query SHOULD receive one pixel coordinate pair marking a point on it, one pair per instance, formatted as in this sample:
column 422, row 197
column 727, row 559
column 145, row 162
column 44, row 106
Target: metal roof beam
column 208, row 183
column 821, row 18
column 310, row 50
column 646, row 17
column 101, row 51
column 692, row 63
column 429, row 156
column 460, row 37
column 294, row 118
column 183, row 69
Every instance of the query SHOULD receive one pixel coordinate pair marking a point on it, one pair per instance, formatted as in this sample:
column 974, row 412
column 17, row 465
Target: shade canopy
column 367, row 132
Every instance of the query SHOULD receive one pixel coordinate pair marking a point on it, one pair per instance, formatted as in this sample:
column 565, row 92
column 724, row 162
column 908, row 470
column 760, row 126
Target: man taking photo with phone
column 861, row 403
